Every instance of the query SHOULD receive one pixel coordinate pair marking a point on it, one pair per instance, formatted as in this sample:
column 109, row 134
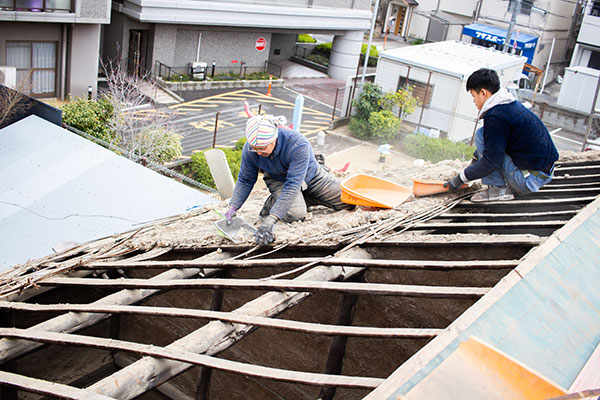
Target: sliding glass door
column 36, row 66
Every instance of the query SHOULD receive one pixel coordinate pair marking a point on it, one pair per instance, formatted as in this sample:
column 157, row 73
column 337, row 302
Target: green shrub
column 305, row 38
column 416, row 40
column 159, row 144
column 318, row 58
column 437, row 149
column 179, row 78
column 239, row 145
column 368, row 101
column 257, row 76
column 359, row 128
column 323, row 48
column 372, row 53
column 384, row 125
column 198, row 167
column 90, row 116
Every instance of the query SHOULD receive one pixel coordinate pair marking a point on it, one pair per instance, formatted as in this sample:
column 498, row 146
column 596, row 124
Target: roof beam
column 283, row 262
column 215, row 336
column 306, row 327
column 70, row 322
column 43, row 387
column 308, row 378
column 289, row 285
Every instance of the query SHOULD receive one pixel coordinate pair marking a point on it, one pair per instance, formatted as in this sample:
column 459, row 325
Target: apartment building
column 551, row 21
column 581, row 77
column 587, row 48
column 144, row 33
column 540, row 25
column 53, row 45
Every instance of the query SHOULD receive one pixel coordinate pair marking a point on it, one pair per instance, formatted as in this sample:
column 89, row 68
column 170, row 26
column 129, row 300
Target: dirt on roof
column 196, row 229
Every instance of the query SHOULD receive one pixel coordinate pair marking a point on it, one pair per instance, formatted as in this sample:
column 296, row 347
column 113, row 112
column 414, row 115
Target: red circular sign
column 261, row 44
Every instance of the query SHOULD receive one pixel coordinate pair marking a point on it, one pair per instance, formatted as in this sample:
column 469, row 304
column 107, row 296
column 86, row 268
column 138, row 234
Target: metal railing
column 237, row 70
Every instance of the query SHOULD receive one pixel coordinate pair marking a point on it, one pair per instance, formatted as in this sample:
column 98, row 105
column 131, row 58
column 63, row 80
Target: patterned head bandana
column 261, row 130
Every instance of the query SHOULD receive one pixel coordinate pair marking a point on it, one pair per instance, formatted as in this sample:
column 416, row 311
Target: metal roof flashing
column 453, row 57
column 59, row 187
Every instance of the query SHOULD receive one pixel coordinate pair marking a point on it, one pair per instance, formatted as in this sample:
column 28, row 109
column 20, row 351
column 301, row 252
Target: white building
column 580, row 79
column 587, row 49
column 231, row 32
column 546, row 20
column 52, row 45
column 438, row 73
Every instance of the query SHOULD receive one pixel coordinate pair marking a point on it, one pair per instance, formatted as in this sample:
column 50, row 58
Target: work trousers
column 521, row 181
column 323, row 190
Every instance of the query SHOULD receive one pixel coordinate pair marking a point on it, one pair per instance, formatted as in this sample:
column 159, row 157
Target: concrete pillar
column 345, row 54
column 84, row 56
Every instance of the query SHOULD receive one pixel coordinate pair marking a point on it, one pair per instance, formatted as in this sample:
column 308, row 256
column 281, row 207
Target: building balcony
column 589, row 33
column 37, row 5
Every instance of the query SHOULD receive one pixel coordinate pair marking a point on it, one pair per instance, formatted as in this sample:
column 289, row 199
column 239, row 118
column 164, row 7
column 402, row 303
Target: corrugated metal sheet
column 56, row 186
column 544, row 315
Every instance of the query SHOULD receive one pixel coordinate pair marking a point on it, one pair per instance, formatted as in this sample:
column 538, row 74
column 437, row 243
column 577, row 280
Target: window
column 36, row 5
column 419, row 89
column 595, row 8
column 594, row 60
column 36, row 66
column 525, row 6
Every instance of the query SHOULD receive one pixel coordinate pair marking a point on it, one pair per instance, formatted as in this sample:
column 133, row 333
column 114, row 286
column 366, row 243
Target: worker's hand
column 229, row 214
column 264, row 235
column 454, row 184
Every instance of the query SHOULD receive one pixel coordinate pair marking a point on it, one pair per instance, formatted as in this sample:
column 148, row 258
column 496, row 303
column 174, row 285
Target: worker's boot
column 494, row 193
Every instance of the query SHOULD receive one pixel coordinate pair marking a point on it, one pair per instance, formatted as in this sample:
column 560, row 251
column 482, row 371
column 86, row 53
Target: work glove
column 454, row 184
column 230, row 213
column 264, row 235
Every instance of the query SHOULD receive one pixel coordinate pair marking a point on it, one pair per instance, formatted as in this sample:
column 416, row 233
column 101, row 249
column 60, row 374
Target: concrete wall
column 96, row 9
column 286, row 44
column 552, row 25
column 589, row 32
column 463, row 7
column 113, row 36
column 83, row 63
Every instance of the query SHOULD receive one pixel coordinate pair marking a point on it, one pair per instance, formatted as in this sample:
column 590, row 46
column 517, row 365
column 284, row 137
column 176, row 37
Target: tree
column 13, row 102
column 138, row 127
column 404, row 100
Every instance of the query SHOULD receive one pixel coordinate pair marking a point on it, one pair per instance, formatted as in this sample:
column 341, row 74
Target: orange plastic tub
column 425, row 187
column 369, row 191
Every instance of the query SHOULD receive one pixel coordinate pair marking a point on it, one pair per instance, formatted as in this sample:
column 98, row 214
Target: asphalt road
column 195, row 118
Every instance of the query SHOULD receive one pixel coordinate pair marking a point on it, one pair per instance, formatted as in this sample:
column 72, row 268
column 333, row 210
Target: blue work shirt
column 292, row 161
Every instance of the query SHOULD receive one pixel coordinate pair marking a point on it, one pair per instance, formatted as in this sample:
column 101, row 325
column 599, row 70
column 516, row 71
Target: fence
column 239, row 70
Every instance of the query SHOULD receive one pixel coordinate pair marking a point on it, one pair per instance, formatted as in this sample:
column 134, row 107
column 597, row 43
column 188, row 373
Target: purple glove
column 230, row 213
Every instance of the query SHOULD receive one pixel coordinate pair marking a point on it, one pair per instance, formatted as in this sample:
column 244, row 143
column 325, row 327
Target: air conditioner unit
column 8, row 76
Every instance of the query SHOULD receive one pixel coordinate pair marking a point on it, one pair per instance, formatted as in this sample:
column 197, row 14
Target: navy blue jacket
column 513, row 129
column 292, row 162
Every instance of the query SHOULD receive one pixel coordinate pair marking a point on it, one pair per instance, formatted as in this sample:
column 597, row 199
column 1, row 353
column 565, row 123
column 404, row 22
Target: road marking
column 198, row 121
column 209, row 124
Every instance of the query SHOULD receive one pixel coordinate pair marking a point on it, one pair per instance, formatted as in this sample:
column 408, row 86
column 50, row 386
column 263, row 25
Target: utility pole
column 375, row 9
column 516, row 8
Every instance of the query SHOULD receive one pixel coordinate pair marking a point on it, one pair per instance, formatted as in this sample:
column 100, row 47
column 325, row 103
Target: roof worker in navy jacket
column 515, row 153
column 291, row 173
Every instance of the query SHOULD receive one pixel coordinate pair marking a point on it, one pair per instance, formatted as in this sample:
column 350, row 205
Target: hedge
column 437, row 149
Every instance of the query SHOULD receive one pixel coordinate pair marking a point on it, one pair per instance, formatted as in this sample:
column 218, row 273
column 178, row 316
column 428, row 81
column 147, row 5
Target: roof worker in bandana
column 515, row 153
column 291, row 173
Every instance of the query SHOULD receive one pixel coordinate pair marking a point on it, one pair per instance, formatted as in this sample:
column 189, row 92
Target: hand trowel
column 232, row 230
